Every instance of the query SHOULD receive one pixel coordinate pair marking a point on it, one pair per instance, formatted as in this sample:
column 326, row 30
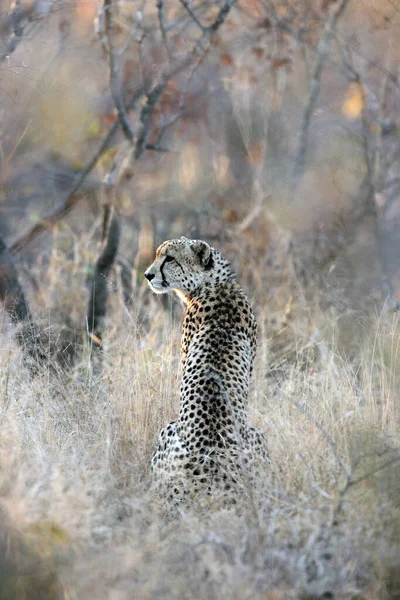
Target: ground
column 75, row 469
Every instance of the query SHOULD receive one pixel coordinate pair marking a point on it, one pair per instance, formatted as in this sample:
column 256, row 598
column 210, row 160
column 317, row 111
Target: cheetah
column 211, row 438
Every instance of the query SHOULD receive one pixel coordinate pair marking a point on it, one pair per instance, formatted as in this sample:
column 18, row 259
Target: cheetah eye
column 169, row 258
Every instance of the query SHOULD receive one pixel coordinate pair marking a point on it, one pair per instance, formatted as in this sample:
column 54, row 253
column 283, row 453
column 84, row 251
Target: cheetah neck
column 183, row 296
column 217, row 273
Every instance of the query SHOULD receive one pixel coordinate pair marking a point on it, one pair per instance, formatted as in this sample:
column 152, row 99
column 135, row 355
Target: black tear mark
column 164, row 282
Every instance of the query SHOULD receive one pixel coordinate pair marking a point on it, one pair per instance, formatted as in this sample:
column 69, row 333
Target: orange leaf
column 231, row 215
column 354, row 102
column 277, row 63
column 226, row 60
column 110, row 117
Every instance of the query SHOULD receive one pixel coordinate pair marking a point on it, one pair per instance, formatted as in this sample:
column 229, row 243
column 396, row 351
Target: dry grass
column 80, row 519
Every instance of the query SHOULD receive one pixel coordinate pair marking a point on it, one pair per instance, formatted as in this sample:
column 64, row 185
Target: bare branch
column 389, row 463
column 119, row 165
column 115, row 86
column 15, row 25
column 97, row 306
column 11, row 292
column 29, row 334
column 189, row 9
column 71, row 200
column 182, row 101
column 146, row 115
column 372, row 64
column 157, row 148
column 220, row 19
column 155, row 94
column 351, row 482
column 160, row 9
column 322, row 51
column 298, row 35
column 373, row 180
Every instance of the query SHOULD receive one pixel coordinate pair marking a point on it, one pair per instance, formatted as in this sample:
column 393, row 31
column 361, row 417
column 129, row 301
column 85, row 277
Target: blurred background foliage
column 276, row 140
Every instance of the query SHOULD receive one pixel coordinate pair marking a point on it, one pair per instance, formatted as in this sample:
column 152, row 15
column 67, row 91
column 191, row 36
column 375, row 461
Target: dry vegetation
column 79, row 518
column 278, row 143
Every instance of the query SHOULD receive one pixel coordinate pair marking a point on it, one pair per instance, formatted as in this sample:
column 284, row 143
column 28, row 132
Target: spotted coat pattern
column 211, row 437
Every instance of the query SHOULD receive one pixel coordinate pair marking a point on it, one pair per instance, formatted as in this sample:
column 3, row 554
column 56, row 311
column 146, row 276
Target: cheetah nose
column 149, row 276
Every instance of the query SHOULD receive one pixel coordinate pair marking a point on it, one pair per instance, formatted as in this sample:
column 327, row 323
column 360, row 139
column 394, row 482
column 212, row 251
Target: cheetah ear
column 203, row 251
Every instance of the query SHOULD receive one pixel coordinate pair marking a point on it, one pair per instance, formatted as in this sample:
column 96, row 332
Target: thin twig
column 189, row 9
column 183, row 96
column 70, row 200
column 182, row 100
column 14, row 23
column 322, row 51
column 326, row 436
column 371, row 64
column 155, row 94
column 371, row 143
column 146, row 115
column 119, row 165
column 380, row 167
column 221, row 17
column 97, row 306
column 11, row 292
column 115, row 85
column 298, row 35
column 160, row 11
column 351, row 482
column 157, row 148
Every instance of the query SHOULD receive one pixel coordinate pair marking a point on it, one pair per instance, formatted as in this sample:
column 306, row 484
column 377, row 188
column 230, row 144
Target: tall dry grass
column 80, row 518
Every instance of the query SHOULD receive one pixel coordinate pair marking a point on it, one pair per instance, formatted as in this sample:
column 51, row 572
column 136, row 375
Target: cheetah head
column 181, row 265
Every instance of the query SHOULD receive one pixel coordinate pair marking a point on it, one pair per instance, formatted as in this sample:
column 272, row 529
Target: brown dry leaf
column 226, row 60
column 255, row 154
column 253, row 6
column 118, row 29
column 245, row 75
column 176, row 40
column 354, row 102
column 230, row 25
column 258, row 52
column 110, row 117
column 277, row 63
column 264, row 24
column 283, row 12
column 217, row 38
column 231, row 215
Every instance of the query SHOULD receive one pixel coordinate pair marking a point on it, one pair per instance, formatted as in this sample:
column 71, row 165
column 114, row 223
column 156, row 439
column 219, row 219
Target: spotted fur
column 211, row 439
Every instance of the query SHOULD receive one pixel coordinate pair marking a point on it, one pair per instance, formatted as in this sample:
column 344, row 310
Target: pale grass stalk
column 75, row 465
